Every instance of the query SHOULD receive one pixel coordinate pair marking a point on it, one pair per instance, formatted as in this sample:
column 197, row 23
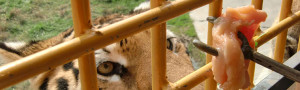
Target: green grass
column 29, row 20
column 182, row 25
column 20, row 86
column 105, row 7
column 34, row 19
column 197, row 55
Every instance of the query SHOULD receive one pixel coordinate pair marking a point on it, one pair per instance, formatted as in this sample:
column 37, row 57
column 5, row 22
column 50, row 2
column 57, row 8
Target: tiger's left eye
column 109, row 68
column 105, row 68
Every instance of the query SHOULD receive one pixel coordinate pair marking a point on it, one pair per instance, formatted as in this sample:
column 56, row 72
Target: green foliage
column 197, row 55
column 44, row 30
column 21, row 17
column 20, row 86
column 105, row 7
column 182, row 24
column 41, row 19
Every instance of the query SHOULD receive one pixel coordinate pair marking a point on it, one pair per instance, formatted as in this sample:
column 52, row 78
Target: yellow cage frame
column 84, row 44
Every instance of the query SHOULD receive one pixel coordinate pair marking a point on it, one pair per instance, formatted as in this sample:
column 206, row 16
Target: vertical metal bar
column 281, row 38
column 82, row 23
column 158, row 52
column 251, row 69
column 215, row 9
column 258, row 4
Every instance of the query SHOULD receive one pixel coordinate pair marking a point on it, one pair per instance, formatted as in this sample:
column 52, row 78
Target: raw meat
column 229, row 67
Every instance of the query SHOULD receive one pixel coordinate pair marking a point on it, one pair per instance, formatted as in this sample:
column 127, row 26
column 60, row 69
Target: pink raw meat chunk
column 229, row 67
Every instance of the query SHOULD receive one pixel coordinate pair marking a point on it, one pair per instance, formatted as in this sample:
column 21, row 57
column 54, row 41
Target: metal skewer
column 260, row 59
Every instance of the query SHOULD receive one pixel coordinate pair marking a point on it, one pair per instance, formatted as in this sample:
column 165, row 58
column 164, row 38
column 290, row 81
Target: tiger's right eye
column 105, row 68
column 109, row 68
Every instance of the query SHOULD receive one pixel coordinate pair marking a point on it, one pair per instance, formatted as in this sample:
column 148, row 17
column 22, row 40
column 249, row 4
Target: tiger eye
column 106, row 67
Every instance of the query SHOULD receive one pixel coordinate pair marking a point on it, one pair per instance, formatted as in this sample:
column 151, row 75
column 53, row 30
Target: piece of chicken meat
column 229, row 67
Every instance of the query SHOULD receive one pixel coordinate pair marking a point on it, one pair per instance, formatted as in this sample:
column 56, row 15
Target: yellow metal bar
column 251, row 70
column 63, row 53
column 215, row 9
column 286, row 6
column 82, row 23
column 194, row 78
column 276, row 29
column 158, row 52
column 258, row 4
column 88, row 74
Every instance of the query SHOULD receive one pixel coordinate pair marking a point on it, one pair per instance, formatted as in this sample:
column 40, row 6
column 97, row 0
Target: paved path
column 272, row 7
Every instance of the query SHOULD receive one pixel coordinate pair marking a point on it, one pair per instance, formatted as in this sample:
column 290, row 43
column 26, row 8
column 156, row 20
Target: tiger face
column 122, row 65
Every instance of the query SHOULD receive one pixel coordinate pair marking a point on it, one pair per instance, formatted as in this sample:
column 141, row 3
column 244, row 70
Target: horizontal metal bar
column 275, row 81
column 52, row 57
column 276, row 29
column 264, row 61
column 194, row 78
column 276, row 66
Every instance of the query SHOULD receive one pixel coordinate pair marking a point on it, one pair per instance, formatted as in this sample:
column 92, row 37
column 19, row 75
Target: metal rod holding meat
column 260, row 59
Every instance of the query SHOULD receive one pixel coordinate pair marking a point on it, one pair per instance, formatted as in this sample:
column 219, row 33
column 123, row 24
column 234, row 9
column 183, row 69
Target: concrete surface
column 272, row 7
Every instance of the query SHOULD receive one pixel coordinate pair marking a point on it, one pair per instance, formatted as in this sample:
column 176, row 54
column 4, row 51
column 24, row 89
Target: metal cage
column 84, row 44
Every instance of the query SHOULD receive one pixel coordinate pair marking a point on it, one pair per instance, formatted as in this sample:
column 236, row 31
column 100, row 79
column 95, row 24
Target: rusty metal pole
column 82, row 23
column 215, row 10
column 158, row 52
column 258, row 4
column 286, row 6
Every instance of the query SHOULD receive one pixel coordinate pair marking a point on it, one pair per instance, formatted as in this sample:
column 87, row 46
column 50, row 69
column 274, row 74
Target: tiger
column 124, row 65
